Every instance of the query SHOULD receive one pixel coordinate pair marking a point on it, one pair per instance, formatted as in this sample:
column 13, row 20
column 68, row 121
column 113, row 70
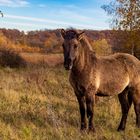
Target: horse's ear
column 80, row 35
column 63, row 32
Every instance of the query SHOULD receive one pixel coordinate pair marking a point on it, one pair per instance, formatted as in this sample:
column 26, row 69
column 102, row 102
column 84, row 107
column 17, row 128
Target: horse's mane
column 85, row 43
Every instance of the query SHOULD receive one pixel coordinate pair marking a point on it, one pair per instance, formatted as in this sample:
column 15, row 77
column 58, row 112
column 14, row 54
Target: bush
column 10, row 58
column 102, row 47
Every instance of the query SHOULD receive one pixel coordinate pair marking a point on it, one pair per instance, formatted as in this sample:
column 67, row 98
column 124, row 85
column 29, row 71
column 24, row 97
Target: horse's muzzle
column 68, row 63
column 68, row 67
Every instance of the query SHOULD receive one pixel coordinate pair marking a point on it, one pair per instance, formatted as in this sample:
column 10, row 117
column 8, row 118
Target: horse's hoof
column 91, row 130
column 83, row 131
column 120, row 129
column 138, row 125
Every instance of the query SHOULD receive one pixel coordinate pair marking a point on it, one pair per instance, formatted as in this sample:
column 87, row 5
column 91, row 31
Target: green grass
column 39, row 104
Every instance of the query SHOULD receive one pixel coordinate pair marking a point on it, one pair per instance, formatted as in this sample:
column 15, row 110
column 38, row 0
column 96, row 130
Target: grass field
column 37, row 103
column 39, row 58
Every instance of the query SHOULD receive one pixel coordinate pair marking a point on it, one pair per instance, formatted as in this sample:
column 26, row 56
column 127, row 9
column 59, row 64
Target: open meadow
column 98, row 40
column 38, row 103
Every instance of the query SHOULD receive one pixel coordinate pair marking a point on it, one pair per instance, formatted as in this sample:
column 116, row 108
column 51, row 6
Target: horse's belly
column 113, row 87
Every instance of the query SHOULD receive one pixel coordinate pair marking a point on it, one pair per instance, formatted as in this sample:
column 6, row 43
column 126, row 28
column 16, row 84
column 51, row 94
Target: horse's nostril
column 68, row 64
column 69, row 60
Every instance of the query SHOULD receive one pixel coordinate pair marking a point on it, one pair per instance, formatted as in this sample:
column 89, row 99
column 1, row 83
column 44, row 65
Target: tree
column 101, row 47
column 126, row 16
column 1, row 14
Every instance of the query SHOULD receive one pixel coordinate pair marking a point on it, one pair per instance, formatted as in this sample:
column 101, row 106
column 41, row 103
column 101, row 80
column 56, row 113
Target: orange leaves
column 17, row 47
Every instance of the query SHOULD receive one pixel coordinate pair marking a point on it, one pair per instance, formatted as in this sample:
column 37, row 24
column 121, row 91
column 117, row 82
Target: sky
column 29, row 15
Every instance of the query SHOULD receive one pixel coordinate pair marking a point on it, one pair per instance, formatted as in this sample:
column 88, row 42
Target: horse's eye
column 63, row 46
column 75, row 46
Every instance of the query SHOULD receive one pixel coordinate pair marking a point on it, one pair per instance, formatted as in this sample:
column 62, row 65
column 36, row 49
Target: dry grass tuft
column 42, row 59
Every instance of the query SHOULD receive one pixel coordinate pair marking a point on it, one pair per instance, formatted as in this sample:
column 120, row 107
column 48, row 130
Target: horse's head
column 70, row 46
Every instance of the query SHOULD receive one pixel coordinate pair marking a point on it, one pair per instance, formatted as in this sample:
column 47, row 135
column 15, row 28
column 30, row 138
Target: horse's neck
column 83, row 59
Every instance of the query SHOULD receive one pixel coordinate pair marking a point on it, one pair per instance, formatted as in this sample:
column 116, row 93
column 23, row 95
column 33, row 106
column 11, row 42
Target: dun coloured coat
column 90, row 75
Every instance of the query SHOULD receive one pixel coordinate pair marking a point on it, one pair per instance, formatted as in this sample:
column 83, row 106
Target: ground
column 38, row 103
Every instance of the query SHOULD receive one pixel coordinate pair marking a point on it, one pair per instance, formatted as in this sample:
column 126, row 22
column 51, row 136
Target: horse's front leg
column 90, row 100
column 81, row 101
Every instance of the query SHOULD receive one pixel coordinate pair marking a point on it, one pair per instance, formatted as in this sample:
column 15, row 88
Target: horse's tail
column 133, row 50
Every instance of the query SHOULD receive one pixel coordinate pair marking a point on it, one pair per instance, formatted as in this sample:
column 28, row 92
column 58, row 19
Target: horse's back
column 123, row 61
column 132, row 64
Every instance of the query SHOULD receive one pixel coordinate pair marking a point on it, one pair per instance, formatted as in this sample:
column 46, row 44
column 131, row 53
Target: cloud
column 42, row 5
column 70, row 6
column 14, row 3
column 21, row 24
column 48, row 21
column 74, row 15
column 33, row 26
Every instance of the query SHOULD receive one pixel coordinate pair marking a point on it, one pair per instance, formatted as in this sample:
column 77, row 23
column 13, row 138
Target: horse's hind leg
column 136, row 100
column 137, row 111
column 125, row 99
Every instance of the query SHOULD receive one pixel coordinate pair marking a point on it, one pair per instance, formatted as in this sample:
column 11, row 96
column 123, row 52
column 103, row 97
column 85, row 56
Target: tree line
column 50, row 41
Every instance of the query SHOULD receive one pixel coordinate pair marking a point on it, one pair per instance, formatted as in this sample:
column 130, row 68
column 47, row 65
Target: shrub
column 102, row 47
column 10, row 58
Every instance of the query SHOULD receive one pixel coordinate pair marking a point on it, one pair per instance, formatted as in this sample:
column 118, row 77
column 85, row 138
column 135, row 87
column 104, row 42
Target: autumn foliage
column 50, row 42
